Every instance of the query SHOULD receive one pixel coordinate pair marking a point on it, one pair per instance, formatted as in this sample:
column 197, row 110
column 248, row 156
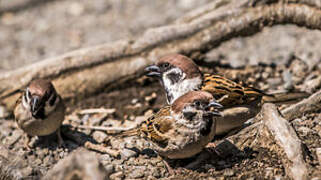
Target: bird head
column 177, row 73
column 38, row 95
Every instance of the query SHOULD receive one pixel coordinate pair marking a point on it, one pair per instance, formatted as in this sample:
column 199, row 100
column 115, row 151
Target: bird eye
column 197, row 103
column 165, row 65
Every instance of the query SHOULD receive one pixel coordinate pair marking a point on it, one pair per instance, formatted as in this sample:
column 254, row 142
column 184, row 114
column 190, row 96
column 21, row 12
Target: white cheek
column 190, row 124
column 25, row 103
column 182, row 87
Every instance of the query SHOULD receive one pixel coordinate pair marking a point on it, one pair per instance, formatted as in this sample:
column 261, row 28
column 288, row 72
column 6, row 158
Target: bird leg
column 203, row 156
column 60, row 140
column 27, row 141
column 169, row 169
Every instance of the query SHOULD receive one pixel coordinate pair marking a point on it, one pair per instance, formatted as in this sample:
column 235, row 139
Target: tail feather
column 285, row 97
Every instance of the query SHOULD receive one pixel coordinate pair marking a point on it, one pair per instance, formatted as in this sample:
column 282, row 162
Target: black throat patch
column 208, row 125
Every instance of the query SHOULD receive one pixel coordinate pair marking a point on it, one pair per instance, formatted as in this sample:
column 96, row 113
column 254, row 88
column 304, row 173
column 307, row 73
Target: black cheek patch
column 173, row 77
column 208, row 126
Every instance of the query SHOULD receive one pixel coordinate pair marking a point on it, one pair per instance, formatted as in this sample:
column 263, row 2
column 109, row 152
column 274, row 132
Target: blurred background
column 32, row 30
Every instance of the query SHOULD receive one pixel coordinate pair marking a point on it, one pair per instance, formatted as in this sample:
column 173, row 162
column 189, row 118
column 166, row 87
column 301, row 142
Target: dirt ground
column 276, row 59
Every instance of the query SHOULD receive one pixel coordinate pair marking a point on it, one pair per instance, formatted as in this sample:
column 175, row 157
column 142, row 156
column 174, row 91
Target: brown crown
column 41, row 87
column 190, row 97
column 184, row 63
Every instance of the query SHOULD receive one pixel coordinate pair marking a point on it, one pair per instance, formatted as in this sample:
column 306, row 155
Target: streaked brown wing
column 228, row 92
column 157, row 125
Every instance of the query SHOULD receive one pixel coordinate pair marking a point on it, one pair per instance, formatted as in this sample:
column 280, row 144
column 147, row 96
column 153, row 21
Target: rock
column 110, row 169
column 274, row 82
column 304, row 130
column 285, row 136
column 105, row 158
column 318, row 152
column 287, row 78
column 312, row 85
column 299, row 68
column 81, row 164
column 3, row 112
column 15, row 136
column 228, row 172
column 137, row 172
column 117, row 175
column 99, row 136
column 127, row 153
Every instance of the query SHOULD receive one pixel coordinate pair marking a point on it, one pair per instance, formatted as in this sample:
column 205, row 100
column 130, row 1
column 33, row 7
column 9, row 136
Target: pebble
column 228, row 172
column 110, row 169
column 3, row 112
column 127, row 153
column 99, row 136
column 287, row 78
column 304, row 130
column 105, row 158
column 137, row 172
column 117, row 175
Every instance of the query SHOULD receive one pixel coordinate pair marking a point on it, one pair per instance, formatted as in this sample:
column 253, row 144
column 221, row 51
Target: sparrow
column 179, row 75
column 182, row 129
column 40, row 110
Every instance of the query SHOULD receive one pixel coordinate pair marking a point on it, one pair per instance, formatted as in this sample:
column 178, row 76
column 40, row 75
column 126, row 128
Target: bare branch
column 313, row 103
column 88, row 70
column 285, row 136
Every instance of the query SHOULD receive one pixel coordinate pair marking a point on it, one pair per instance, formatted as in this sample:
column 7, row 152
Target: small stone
column 137, row 173
column 265, row 75
column 47, row 160
column 273, row 82
column 99, row 136
column 304, row 130
column 127, row 153
column 297, row 120
column 117, row 175
column 287, row 78
column 82, row 161
column 318, row 152
column 110, row 169
column 134, row 101
column 15, row 136
column 228, row 172
column 37, row 162
column 3, row 112
column 105, row 158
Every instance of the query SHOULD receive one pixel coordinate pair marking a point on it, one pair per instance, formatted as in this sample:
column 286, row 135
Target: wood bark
column 86, row 71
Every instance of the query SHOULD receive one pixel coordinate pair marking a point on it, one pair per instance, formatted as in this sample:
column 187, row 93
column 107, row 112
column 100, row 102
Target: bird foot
column 60, row 140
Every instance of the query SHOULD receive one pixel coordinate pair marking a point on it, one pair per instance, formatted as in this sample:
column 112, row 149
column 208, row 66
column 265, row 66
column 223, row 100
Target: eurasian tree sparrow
column 40, row 110
column 183, row 129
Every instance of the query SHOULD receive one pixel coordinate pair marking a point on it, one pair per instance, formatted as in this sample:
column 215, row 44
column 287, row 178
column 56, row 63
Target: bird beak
column 214, row 104
column 35, row 104
column 153, row 71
